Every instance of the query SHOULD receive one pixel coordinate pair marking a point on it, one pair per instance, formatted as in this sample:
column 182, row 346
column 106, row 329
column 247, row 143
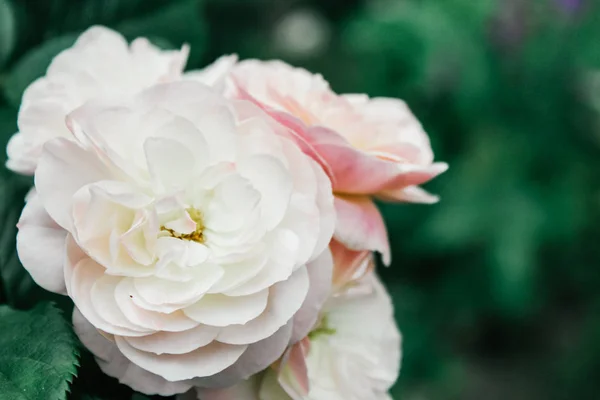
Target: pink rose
column 370, row 148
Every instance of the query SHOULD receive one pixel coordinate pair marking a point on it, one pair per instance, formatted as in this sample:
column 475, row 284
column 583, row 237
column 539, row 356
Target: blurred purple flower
column 570, row 6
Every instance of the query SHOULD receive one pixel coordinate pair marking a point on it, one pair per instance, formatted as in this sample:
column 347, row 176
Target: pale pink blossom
column 353, row 353
column 100, row 64
column 370, row 147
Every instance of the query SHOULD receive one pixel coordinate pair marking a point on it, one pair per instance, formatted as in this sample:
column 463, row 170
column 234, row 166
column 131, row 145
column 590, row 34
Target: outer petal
column 293, row 371
column 257, row 357
column 215, row 74
column 360, row 226
column 40, row 244
column 319, row 275
column 411, row 194
column 113, row 363
column 285, row 300
column 100, row 63
column 205, row 361
column 359, row 172
column 349, row 265
column 21, row 158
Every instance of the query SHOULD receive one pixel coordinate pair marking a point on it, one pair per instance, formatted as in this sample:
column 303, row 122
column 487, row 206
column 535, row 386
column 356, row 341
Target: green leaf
column 33, row 65
column 7, row 30
column 38, row 354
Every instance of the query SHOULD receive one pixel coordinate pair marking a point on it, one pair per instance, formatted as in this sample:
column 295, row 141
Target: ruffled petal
column 285, row 299
column 319, row 275
column 40, row 245
column 204, row 361
column 63, row 169
column 360, row 226
column 114, row 364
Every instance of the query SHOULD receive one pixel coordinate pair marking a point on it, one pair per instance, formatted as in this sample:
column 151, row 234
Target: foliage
column 38, row 353
column 496, row 286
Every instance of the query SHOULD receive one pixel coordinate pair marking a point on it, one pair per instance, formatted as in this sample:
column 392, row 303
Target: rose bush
column 369, row 147
column 190, row 231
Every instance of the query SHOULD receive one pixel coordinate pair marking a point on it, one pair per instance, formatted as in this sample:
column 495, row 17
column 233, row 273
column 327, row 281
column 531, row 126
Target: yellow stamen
column 197, row 235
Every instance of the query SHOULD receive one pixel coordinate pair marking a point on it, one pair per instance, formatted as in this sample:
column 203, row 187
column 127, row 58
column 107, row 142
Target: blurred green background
column 497, row 287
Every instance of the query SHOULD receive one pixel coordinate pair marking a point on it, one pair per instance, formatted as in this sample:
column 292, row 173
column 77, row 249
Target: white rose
column 188, row 230
column 354, row 354
column 99, row 64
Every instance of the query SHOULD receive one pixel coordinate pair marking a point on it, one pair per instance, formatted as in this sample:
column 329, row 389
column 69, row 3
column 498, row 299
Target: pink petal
column 359, row 172
column 293, row 371
column 410, row 194
column 360, row 226
column 349, row 265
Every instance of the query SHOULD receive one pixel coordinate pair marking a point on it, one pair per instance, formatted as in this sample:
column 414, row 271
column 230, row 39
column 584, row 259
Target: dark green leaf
column 7, row 30
column 38, row 354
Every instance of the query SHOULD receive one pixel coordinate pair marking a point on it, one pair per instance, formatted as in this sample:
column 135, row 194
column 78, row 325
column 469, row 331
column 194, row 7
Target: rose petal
column 319, row 275
column 114, row 364
column 285, row 299
column 221, row 310
column 40, row 245
column 75, row 167
column 205, row 361
column 360, row 226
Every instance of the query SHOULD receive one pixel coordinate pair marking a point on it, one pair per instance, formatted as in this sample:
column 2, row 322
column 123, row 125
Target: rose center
column 197, row 235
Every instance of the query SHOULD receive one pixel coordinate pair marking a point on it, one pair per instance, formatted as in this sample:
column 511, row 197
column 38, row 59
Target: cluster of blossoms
column 215, row 229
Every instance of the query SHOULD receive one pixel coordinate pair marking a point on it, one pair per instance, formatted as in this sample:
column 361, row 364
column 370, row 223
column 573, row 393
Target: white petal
column 319, row 274
column 175, row 158
column 221, row 310
column 205, row 361
column 232, row 202
column 83, row 278
column 114, row 364
column 41, row 244
column 285, row 299
column 280, row 266
column 63, row 169
column 175, row 321
column 270, row 177
column 257, row 357
column 326, row 206
column 160, row 291
column 105, row 304
column 214, row 75
column 175, row 342
column 73, row 254
column 237, row 272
